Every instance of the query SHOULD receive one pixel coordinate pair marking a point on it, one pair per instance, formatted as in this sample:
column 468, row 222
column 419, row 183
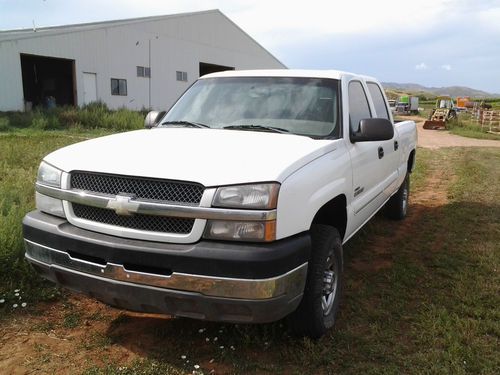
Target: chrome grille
column 143, row 188
column 141, row 222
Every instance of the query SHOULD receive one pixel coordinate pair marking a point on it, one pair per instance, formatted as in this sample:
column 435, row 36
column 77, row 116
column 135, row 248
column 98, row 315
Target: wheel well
column 411, row 161
column 333, row 213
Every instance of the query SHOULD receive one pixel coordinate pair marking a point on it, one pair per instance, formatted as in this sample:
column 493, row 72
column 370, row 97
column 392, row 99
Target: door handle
column 380, row 152
column 396, row 145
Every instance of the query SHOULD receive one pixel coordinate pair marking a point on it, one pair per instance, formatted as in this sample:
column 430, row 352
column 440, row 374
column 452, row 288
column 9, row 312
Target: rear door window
column 378, row 100
column 359, row 108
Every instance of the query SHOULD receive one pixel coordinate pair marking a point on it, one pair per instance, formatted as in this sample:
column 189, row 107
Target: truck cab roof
column 331, row 74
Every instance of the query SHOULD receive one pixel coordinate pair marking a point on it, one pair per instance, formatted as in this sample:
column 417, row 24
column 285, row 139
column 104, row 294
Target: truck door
column 392, row 152
column 368, row 160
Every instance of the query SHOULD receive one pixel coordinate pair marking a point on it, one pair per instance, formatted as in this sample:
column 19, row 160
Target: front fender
column 305, row 191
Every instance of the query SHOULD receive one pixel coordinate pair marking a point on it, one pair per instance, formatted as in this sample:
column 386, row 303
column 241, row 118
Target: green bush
column 123, row 119
column 68, row 116
column 46, row 121
column 4, row 124
column 40, row 122
column 97, row 106
column 92, row 116
column 19, row 119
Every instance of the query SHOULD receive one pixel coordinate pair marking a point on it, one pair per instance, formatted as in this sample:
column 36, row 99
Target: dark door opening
column 206, row 68
column 48, row 81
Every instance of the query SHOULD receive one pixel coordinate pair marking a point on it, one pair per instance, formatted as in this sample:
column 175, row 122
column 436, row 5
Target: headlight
column 49, row 175
column 255, row 196
column 259, row 231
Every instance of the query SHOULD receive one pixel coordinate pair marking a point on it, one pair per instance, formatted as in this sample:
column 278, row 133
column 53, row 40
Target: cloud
column 374, row 37
column 421, row 66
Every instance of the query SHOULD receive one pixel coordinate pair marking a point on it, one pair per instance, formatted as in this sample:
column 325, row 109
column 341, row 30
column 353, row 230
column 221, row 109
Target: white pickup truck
column 233, row 206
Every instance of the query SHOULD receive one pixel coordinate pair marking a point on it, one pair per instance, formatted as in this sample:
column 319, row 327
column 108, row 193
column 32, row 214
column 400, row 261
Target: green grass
column 20, row 154
column 421, row 297
column 432, row 310
column 474, row 132
column 465, row 127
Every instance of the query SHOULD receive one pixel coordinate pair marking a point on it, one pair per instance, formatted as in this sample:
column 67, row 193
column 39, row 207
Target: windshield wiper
column 186, row 123
column 257, row 127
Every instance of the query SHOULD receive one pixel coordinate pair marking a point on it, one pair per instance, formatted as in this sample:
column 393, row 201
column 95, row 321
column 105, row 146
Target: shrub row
column 92, row 116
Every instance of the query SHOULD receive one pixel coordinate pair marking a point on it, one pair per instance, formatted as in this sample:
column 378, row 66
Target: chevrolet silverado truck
column 233, row 206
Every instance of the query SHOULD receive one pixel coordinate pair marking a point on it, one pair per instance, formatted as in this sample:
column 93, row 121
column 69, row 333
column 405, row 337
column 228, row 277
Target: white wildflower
column 17, row 290
column 183, row 357
column 207, row 339
column 17, row 294
column 2, row 300
column 221, row 347
column 197, row 366
column 14, row 305
column 23, row 304
column 216, row 338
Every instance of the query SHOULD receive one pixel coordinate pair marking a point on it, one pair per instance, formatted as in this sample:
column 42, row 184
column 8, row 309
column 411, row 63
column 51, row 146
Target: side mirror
column 373, row 129
column 152, row 119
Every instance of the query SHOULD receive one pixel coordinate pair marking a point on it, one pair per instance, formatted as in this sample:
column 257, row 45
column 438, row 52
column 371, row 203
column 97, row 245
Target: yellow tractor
column 443, row 112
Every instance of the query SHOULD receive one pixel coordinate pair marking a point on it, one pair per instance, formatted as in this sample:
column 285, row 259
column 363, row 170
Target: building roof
column 28, row 33
column 54, row 30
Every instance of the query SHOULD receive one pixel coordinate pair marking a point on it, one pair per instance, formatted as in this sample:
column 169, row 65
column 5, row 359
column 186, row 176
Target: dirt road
column 434, row 139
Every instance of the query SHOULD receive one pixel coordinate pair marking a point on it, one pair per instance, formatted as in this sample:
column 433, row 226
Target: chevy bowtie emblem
column 123, row 205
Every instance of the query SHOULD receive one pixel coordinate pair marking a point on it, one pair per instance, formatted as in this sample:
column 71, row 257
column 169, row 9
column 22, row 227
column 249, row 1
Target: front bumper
column 239, row 282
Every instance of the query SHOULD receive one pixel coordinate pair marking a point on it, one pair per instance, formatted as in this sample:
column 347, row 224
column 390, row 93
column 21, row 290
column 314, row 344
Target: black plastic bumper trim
column 211, row 258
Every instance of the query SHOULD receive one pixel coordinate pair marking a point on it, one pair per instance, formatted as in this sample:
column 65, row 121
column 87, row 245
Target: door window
column 359, row 108
column 378, row 100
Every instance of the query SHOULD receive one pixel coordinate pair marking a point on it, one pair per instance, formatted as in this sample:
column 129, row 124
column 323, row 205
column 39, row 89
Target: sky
column 430, row 42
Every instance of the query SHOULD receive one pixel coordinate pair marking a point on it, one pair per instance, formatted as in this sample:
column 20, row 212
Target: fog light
column 49, row 205
column 241, row 230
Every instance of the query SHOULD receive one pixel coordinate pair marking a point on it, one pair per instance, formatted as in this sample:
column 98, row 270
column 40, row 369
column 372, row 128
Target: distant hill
column 453, row 91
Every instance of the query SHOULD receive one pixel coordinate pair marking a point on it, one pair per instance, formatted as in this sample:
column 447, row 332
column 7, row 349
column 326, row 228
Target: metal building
column 134, row 63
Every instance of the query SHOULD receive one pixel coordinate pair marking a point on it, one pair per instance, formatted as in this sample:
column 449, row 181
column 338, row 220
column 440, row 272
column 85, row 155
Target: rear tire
column 397, row 206
column 320, row 302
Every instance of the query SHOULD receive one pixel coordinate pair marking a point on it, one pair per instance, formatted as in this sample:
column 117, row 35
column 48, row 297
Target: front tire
column 397, row 206
column 320, row 302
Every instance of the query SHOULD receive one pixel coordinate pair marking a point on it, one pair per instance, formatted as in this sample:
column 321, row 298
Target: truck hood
column 207, row 156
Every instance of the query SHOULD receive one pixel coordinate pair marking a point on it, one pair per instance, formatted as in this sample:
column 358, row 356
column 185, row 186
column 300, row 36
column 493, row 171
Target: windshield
column 305, row 106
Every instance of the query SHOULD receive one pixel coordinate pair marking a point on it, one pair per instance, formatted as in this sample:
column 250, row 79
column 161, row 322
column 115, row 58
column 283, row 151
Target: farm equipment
column 444, row 111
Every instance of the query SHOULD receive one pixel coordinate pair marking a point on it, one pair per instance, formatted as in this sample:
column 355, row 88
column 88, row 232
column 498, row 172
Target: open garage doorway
column 48, row 81
column 206, row 68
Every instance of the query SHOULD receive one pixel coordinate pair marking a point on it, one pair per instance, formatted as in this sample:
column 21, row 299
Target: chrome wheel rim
column 330, row 282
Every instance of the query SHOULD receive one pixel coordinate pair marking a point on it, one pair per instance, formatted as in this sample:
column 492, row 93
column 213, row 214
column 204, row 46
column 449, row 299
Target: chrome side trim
column 155, row 208
column 292, row 282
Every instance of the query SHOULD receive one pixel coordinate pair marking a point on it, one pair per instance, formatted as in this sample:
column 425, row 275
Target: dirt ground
column 69, row 336
column 93, row 334
column 434, row 139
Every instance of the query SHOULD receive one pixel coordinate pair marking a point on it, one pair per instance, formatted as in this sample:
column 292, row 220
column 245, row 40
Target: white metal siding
column 178, row 43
